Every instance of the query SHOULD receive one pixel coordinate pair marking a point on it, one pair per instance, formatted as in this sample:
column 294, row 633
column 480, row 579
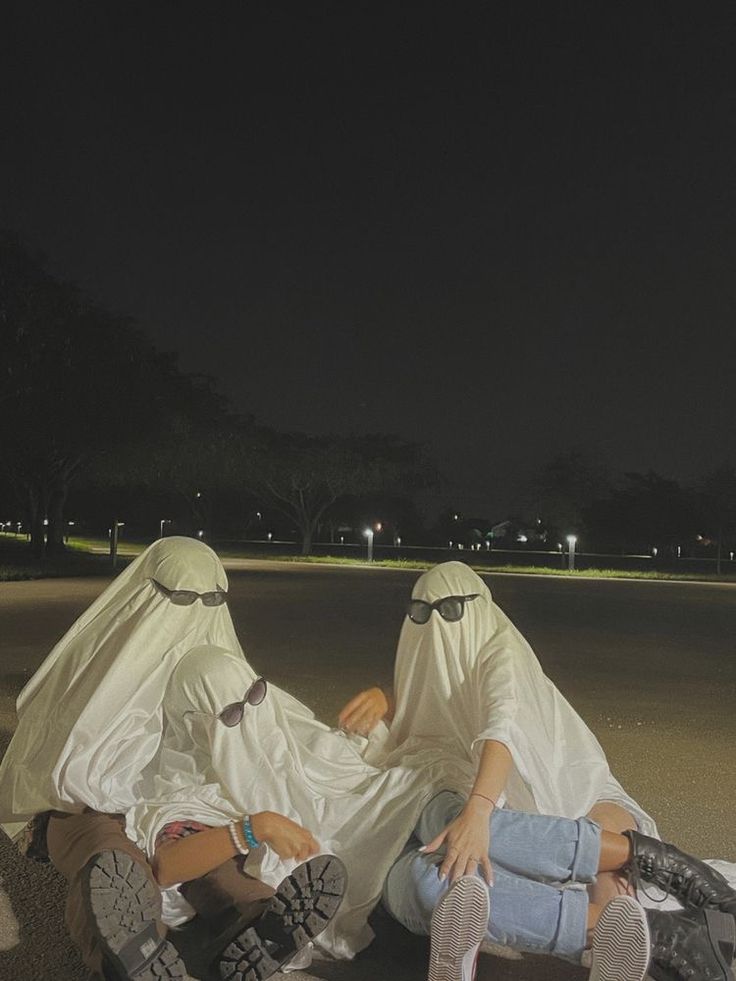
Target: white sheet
column 458, row 684
column 280, row 759
column 90, row 718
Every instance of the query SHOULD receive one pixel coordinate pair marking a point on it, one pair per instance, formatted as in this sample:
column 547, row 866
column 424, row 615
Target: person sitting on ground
column 225, row 753
column 540, row 867
column 89, row 721
column 200, row 866
column 469, row 691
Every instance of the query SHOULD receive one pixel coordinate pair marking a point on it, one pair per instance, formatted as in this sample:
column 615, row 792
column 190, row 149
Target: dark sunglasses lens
column 257, row 692
column 214, row 599
column 418, row 611
column 232, row 715
column 451, row 609
column 182, row 597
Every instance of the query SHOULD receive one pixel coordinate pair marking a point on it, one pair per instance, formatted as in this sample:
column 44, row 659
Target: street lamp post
column 571, row 541
column 116, row 525
column 369, row 535
column 164, row 522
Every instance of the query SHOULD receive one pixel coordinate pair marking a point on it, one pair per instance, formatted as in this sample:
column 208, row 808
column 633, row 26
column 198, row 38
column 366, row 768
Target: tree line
column 636, row 512
column 91, row 410
column 95, row 420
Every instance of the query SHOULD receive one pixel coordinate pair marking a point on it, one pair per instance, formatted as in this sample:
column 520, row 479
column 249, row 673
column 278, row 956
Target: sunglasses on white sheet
column 450, row 608
column 185, row 597
column 232, row 714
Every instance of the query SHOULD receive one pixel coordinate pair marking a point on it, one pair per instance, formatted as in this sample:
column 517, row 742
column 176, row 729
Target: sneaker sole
column 459, row 924
column 303, row 905
column 125, row 907
column 621, row 942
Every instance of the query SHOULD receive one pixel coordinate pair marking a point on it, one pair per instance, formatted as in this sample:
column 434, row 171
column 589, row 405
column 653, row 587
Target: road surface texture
column 651, row 667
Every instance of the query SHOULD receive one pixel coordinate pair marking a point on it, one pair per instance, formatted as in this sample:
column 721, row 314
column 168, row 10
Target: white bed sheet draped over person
column 90, row 718
column 279, row 758
column 460, row 683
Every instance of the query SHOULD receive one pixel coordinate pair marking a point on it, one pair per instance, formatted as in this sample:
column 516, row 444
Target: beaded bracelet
column 250, row 838
column 235, row 838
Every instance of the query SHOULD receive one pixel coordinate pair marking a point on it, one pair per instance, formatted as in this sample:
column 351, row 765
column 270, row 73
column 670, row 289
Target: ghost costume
column 90, row 719
column 459, row 684
column 279, row 758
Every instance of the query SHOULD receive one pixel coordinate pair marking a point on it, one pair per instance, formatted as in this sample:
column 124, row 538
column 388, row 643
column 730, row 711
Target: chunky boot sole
column 303, row 905
column 621, row 942
column 125, row 907
column 722, row 935
column 459, row 924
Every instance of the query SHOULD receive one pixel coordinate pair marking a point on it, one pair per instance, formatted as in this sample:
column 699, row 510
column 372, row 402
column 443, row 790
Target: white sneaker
column 459, row 924
column 621, row 942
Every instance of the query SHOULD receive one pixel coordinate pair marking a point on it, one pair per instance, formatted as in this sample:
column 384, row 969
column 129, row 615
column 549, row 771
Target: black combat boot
column 691, row 945
column 695, row 884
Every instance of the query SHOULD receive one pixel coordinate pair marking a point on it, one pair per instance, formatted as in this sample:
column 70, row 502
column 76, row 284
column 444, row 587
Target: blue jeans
column 536, row 859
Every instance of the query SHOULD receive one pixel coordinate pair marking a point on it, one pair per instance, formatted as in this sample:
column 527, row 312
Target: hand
column 363, row 713
column 287, row 838
column 468, row 839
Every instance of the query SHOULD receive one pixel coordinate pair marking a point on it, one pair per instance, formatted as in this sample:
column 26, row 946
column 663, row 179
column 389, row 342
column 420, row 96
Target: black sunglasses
column 185, row 597
column 232, row 714
column 450, row 608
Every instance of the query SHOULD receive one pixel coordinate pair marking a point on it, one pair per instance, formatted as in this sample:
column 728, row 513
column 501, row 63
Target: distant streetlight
column 398, row 539
column 270, row 535
column 571, row 541
column 69, row 524
column 369, row 535
column 654, row 552
column 200, row 533
column 164, row 522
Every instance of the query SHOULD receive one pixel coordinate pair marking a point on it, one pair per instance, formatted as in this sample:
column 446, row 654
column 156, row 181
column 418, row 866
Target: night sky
column 503, row 230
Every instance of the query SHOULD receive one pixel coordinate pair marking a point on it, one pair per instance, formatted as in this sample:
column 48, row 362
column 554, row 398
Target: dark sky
column 504, row 232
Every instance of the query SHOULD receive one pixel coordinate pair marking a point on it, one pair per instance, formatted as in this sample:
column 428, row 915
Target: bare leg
column 611, row 817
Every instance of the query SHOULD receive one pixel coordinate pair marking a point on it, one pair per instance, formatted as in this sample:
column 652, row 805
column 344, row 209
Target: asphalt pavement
column 651, row 667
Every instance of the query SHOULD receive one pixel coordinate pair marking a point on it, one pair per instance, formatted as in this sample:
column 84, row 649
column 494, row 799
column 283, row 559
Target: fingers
column 471, row 866
column 435, row 843
column 486, row 869
column 346, row 715
column 305, row 850
column 363, row 713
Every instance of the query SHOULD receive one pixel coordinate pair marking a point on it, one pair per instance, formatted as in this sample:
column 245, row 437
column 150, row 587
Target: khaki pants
column 221, row 897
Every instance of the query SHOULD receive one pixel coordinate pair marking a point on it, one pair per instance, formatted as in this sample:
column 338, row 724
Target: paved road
column 650, row 666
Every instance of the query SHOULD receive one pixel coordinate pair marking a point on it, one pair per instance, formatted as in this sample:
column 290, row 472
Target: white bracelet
column 235, row 838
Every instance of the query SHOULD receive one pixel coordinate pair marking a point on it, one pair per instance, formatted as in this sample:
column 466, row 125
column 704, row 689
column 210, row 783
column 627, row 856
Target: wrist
column 261, row 825
column 248, row 833
column 481, row 802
